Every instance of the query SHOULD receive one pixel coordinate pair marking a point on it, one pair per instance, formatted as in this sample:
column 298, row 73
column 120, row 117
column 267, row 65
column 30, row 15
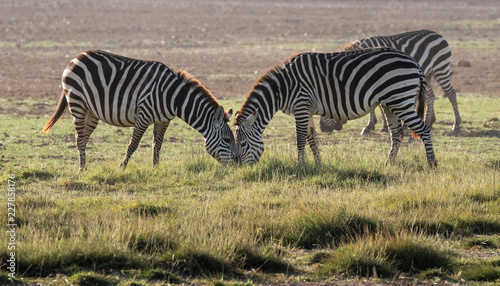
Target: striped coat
column 433, row 54
column 341, row 86
column 120, row 91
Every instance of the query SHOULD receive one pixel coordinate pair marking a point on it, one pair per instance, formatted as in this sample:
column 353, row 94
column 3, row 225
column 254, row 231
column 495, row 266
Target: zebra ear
column 229, row 113
column 250, row 119
column 219, row 116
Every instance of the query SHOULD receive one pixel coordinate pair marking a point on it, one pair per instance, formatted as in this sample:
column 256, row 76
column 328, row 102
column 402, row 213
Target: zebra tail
column 421, row 101
column 61, row 107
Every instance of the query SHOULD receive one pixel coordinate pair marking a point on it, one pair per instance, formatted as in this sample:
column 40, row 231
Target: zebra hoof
column 384, row 130
column 456, row 129
column 365, row 132
column 433, row 163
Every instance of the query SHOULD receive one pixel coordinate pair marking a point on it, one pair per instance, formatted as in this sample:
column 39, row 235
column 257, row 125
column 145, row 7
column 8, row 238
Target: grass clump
column 384, row 254
column 73, row 256
column 196, row 262
column 5, row 279
column 412, row 253
column 481, row 272
column 362, row 258
column 313, row 229
column 160, row 275
column 92, row 279
column 151, row 242
column 484, row 242
column 249, row 258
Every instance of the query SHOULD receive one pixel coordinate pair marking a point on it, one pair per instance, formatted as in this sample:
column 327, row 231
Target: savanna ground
column 351, row 220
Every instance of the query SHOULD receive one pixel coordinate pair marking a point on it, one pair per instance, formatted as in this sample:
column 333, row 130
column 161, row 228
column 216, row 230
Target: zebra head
column 219, row 142
column 249, row 138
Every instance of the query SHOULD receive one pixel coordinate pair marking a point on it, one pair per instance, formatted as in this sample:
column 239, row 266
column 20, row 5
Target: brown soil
column 228, row 44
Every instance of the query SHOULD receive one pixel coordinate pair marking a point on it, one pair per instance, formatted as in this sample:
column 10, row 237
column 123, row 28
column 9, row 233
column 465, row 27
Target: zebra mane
column 266, row 77
column 198, row 88
column 354, row 45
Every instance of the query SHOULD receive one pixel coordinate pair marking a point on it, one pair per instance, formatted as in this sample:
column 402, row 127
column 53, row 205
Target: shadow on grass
column 456, row 226
column 481, row 133
column 322, row 175
column 315, row 229
column 76, row 260
column 29, row 176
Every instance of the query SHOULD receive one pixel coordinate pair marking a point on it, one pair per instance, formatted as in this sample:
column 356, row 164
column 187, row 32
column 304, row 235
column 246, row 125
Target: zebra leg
column 159, row 133
column 385, row 128
column 430, row 116
column 452, row 96
column 423, row 131
column 313, row 140
column 443, row 78
column 84, row 126
column 301, row 124
column 140, row 127
column 371, row 124
column 396, row 132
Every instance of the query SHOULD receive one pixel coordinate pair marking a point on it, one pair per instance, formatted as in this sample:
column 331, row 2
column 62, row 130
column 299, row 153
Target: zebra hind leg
column 140, row 127
column 424, row 132
column 313, row 140
column 371, row 124
column 159, row 133
column 84, row 126
column 452, row 96
column 396, row 132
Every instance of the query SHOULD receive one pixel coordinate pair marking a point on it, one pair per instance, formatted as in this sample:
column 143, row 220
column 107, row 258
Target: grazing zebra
column 126, row 92
column 345, row 85
column 432, row 53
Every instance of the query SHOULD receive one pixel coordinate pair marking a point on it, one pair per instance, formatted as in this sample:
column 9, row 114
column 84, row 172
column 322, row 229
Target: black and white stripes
column 433, row 54
column 341, row 86
column 127, row 92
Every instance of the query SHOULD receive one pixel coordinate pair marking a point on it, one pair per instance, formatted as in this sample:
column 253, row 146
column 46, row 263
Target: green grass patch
column 193, row 219
column 92, row 279
column 481, row 272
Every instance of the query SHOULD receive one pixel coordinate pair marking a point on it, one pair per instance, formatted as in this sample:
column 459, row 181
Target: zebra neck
column 197, row 111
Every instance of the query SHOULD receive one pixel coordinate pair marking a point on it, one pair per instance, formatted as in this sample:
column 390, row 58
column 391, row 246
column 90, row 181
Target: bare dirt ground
column 228, row 44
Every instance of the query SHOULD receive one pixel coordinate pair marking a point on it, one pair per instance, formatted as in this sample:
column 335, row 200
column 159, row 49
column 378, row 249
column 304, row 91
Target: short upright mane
column 266, row 77
column 198, row 88
column 196, row 85
column 352, row 46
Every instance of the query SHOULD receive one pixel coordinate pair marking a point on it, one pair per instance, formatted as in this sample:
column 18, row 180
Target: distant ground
column 228, row 44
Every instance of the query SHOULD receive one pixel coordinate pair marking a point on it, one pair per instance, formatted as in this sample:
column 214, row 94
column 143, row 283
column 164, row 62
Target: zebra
column 126, row 92
column 341, row 86
column 432, row 52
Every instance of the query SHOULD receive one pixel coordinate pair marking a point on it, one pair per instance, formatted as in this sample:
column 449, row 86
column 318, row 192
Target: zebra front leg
column 140, row 127
column 313, row 140
column 159, row 133
column 396, row 132
column 84, row 127
column 301, row 124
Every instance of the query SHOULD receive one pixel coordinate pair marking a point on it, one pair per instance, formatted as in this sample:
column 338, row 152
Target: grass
column 192, row 220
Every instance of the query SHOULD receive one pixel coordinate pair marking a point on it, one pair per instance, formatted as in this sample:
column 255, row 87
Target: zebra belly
column 341, row 115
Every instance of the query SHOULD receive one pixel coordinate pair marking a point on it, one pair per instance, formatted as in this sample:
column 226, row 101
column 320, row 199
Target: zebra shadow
column 480, row 133
column 322, row 175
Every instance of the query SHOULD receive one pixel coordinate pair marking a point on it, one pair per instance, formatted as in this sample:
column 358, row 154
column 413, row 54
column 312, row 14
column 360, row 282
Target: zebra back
column 428, row 48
